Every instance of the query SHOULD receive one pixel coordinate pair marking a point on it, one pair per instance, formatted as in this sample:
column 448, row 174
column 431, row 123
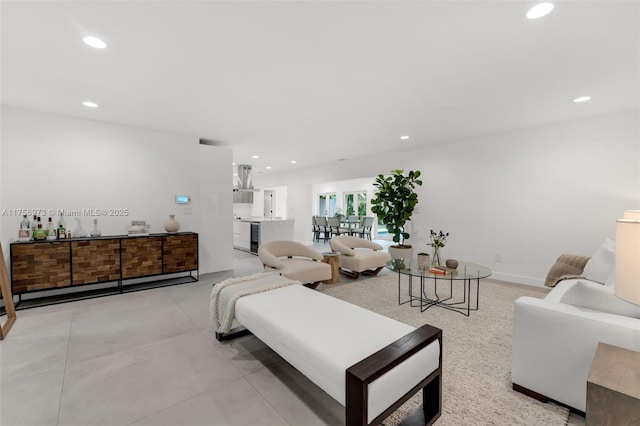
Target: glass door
column 355, row 204
column 327, row 204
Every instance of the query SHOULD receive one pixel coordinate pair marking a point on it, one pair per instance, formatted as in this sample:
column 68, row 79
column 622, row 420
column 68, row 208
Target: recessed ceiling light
column 90, row 104
column 582, row 99
column 95, row 42
column 233, row 164
column 293, row 161
column 254, row 156
column 539, row 10
column 268, row 167
column 405, row 137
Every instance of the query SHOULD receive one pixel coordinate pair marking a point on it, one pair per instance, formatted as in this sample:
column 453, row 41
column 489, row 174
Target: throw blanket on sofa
column 225, row 294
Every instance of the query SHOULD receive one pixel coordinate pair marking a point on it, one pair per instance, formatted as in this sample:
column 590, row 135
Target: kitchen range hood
column 243, row 189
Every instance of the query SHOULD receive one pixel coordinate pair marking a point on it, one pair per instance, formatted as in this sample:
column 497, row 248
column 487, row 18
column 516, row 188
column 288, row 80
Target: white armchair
column 358, row 255
column 555, row 338
column 294, row 261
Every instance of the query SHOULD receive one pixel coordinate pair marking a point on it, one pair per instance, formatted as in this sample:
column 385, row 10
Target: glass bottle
column 62, row 222
column 40, row 233
column 79, row 232
column 62, row 232
column 24, row 234
column 34, row 226
column 95, row 232
column 51, row 230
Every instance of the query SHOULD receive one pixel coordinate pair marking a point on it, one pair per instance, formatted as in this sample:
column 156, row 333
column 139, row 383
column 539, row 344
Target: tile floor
column 150, row 358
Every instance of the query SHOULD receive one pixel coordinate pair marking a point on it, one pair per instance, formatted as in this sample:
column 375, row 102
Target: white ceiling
column 318, row 81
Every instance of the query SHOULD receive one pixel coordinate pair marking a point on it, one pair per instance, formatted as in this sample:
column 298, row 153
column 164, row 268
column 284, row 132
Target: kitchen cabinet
column 262, row 231
column 241, row 235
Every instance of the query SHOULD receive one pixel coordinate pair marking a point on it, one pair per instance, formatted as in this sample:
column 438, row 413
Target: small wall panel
column 141, row 257
column 95, row 261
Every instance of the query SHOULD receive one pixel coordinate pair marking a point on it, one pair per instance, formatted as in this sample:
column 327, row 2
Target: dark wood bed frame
column 360, row 375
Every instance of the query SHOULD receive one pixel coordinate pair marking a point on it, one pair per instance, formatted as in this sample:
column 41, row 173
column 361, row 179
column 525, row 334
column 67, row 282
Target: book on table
column 441, row 270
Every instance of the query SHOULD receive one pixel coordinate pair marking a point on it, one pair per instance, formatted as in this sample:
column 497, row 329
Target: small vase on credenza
column 172, row 226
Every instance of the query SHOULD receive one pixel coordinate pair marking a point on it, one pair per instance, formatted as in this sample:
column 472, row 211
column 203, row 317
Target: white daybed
column 369, row 363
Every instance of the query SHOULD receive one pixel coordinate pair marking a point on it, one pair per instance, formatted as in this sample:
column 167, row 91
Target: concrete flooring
column 150, row 358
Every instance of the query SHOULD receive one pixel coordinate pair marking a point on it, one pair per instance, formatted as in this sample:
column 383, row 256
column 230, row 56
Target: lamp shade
column 632, row 214
column 628, row 259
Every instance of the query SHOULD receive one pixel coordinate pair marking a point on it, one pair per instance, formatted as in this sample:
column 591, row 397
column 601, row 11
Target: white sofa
column 294, row 261
column 555, row 338
column 358, row 255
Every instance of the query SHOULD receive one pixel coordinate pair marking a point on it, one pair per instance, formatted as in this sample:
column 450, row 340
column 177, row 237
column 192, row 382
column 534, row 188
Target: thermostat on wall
column 183, row 199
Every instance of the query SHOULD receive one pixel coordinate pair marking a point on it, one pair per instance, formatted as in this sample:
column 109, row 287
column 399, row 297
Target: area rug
column 476, row 358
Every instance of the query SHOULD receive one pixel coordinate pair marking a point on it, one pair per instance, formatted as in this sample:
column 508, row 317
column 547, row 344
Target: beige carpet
column 476, row 357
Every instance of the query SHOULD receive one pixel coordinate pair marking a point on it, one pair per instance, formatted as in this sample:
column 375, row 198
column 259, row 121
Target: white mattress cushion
column 322, row 336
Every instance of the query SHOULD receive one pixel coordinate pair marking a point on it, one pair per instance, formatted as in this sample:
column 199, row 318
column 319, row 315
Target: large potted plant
column 394, row 203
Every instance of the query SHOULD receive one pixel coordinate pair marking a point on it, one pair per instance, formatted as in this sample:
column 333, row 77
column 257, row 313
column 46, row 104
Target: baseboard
column 517, row 279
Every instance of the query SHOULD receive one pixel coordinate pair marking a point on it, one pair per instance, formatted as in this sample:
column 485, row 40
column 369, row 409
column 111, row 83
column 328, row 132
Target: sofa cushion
column 611, row 281
column 602, row 263
column 305, row 270
column 594, row 296
column 364, row 259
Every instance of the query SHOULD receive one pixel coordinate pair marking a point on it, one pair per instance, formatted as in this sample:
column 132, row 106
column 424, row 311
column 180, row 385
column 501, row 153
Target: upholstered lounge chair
column 358, row 255
column 295, row 261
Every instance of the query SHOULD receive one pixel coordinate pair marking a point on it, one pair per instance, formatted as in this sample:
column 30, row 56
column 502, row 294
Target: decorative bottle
column 79, row 232
column 62, row 232
column 95, row 232
column 34, row 226
column 51, row 230
column 40, row 234
column 24, row 234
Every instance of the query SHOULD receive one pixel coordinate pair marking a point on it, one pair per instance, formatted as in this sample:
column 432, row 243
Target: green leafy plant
column 395, row 201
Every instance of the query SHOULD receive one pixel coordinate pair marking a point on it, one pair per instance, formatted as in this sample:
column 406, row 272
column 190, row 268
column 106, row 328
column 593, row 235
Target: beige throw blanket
column 225, row 294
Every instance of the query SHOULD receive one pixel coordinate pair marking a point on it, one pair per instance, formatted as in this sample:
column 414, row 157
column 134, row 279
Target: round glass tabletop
column 464, row 271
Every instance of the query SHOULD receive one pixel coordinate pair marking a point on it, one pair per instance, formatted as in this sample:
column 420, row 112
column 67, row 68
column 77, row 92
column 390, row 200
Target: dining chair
column 335, row 228
column 364, row 230
column 321, row 227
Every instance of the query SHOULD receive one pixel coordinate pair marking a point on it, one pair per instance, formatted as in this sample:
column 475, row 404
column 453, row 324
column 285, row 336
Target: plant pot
column 401, row 252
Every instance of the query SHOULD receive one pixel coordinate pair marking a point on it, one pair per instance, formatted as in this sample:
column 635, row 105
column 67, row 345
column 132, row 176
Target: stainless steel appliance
column 255, row 237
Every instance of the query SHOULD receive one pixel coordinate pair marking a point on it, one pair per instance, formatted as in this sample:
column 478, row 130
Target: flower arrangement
column 438, row 239
column 437, row 242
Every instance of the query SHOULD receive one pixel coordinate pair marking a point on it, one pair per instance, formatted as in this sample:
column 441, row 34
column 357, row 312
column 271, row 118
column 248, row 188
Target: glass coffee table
column 430, row 289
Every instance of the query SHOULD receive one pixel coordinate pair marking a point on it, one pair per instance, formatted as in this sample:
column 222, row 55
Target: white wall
column 53, row 162
column 526, row 195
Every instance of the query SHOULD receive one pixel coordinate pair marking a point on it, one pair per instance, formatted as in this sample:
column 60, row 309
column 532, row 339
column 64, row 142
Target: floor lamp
column 628, row 257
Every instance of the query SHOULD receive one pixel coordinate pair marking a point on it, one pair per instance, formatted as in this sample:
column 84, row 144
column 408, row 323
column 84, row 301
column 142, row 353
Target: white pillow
column 611, row 281
column 600, row 298
column 602, row 263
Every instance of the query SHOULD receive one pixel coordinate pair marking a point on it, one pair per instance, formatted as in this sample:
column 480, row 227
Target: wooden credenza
column 49, row 265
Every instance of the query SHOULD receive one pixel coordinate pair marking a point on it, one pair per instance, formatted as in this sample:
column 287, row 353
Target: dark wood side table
column 613, row 387
column 333, row 259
